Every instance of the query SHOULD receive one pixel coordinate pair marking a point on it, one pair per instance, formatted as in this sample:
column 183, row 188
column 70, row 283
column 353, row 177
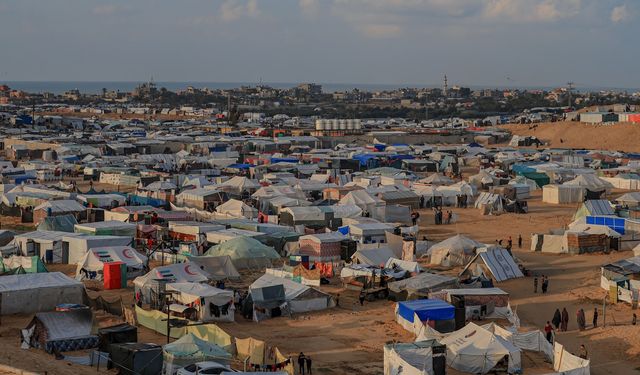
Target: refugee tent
column 137, row 358
column 55, row 208
column 419, row 286
column 240, row 184
column 376, row 257
column 61, row 331
column 237, row 208
column 496, row 263
column 363, row 200
column 224, row 235
column 31, row 264
column 76, row 246
column 626, row 181
column 482, row 180
column 405, row 265
column 211, row 304
column 322, row 247
column 475, row 350
column 218, row 268
column 630, row 199
column 148, row 285
column 592, row 183
column 594, row 207
column 35, row 292
column 103, row 200
column 92, row 265
column 454, row 251
column 108, row 228
column 245, row 252
column 436, row 179
column 479, row 302
column 300, row 298
column 47, row 245
column 563, row 194
column 190, row 349
column 62, row 223
column 6, row 236
column 414, row 315
column 490, row 204
column 416, row 358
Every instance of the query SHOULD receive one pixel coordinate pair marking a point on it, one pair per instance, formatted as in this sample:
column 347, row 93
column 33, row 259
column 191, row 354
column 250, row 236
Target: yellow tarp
column 252, row 348
column 156, row 320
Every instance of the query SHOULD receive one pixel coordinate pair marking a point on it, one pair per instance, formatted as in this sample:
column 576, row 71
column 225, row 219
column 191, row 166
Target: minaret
column 446, row 86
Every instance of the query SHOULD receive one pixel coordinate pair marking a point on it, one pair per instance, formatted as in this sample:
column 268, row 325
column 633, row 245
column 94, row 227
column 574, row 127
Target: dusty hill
column 620, row 137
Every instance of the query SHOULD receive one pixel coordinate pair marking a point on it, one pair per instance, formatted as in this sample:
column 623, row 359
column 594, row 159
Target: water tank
column 342, row 124
column 358, row 124
column 335, row 124
column 320, row 124
column 350, row 124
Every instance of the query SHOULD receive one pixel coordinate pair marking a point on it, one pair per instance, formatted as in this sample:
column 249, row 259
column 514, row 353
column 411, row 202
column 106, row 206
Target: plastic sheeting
column 408, row 359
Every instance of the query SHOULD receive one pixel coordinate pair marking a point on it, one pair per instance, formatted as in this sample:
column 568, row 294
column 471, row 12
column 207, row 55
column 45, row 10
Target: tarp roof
column 499, row 262
column 426, row 309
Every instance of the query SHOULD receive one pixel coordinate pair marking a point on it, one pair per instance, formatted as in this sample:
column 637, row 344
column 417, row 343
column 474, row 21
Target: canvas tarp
column 32, row 264
column 423, row 284
column 156, row 320
column 408, row 359
column 61, row 223
column 476, row 350
column 454, row 251
column 190, row 349
column 245, row 252
column 562, row 194
column 35, row 292
column 567, row 363
column 202, row 297
column 549, row 243
column 96, row 257
column 237, row 208
column 218, row 268
column 373, row 257
column 498, row 262
column 301, row 298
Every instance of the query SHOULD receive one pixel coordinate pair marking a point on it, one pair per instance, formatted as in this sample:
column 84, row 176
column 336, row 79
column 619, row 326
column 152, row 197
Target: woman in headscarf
column 557, row 318
column 564, row 321
column 582, row 322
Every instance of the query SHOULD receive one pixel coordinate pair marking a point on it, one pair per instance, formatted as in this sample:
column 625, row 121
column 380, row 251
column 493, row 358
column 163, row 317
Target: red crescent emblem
column 126, row 253
column 186, row 269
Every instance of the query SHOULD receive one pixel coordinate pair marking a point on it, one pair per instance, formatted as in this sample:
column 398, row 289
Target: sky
column 415, row 42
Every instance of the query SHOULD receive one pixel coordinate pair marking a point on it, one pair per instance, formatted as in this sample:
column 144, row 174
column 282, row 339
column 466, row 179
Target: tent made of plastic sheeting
column 31, row 264
column 267, row 192
column 566, row 363
column 109, row 228
column 62, row 223
column 92, row 265
column 394, row 213
column 212, row 304
column 563, row 194
column 549, row 243
column 405, row 265
column 103, row 200
column 363, row 200
column 245, row 252
column 496, row 263
column 420, row 286
column 373, row 257
column 62, row 206
column 410, row 358
column 35, row 292
column 148, row 284
column 77, row 245
column 454, row 251
column 415, row 314
column 240, row 184
column 436, row 179
column 190, row 349
column 630, row 199
column 61, row 331
column 237, row 208
column 345, row 211
column 590, row 182
column 218, row 268
column 224, row 235
column 624, row 182
column 594, row 207
column 475, row 350
column 282, row 201
column 301, row 298
column 483, row 178
column 521, row 180
column 489, row 203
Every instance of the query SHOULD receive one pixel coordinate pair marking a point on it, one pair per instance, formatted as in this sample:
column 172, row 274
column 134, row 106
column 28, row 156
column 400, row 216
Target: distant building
column 312, row 89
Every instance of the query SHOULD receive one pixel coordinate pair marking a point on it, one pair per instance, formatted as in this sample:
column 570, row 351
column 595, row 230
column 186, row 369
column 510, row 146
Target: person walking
column 548, row 330
column 564, row 320
column 309, row 365
column 449, row 216
column 545, row 284
column 634, row 319
column 519, row 241
column 582, row 322
column 301, row 363
column 510, row 243
column 595, row 318
column 535, row 284
column 361, row 297
column 557, row 319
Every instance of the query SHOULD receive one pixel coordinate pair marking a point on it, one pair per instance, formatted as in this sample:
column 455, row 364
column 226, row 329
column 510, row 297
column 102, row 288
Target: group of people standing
column 442, row 217
column 304, row 361
column 545, row 284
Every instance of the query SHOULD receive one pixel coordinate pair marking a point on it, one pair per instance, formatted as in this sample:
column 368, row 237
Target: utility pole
column 570, row 86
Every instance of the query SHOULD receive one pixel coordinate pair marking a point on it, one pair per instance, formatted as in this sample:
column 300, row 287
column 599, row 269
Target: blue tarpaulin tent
column 240, row 166
column 367, row 160
column 426, row 309
column 284, row 160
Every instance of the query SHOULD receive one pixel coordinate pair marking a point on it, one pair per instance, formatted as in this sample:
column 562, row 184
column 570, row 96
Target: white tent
column 373, row 257
column 240, row 184
column 489, row 203
column 496, row 262
column 212, row 304
column 476, row 350
column 95, row 258
column 408, row 358
column 60, row 206
column 562, row 194
column 301, row 298
column 590, row 182
column 237, row 208
column 363, row 200
column 454, row 251
column 35, row 292
column 174, row 273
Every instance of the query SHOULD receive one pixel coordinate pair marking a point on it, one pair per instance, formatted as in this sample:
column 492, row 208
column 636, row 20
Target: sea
column 95, row 87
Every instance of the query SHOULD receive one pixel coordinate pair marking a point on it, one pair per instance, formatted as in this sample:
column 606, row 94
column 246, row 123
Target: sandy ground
column 349, row 339
column 620, row 137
